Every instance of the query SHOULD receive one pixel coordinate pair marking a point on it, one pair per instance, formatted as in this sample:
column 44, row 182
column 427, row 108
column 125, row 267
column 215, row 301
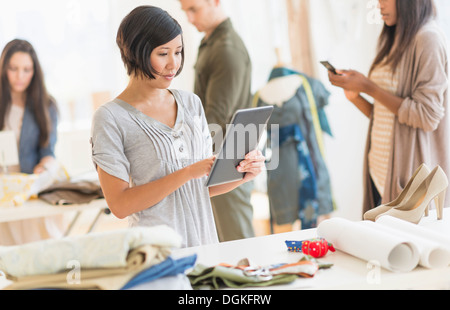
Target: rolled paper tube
column 440, row 257
column 431, row 254
column 394, row 253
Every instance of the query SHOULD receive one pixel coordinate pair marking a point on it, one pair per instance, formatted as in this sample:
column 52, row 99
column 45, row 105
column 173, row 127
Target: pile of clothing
column 121, row 259
column 246, row 274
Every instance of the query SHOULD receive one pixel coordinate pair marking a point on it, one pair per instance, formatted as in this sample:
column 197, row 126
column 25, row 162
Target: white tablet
column 242, row 136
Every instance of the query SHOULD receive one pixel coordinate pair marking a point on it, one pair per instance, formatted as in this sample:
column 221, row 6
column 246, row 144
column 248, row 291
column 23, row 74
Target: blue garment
column 320, row 93
column 30, row 152
column 169, row 267
column 308, row 204
column 284, row 184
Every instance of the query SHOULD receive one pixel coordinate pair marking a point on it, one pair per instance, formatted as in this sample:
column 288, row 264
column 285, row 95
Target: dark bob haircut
column 141, row 31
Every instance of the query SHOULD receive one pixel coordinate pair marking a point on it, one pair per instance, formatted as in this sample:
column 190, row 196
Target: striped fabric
column 383, row 122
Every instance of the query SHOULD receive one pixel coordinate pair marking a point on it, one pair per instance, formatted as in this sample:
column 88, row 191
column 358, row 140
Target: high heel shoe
column 416, row 179
column 434, row 186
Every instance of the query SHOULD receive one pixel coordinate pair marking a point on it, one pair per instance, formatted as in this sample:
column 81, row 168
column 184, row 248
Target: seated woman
column 31, row 113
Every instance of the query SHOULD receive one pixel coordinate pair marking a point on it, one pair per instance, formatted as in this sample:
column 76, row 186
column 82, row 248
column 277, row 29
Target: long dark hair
column 37, row 97
column 395, row 40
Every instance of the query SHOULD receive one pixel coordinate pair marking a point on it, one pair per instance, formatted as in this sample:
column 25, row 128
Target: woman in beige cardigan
column 409, row 122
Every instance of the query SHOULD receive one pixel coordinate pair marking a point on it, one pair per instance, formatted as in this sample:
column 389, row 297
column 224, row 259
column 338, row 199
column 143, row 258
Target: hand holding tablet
column 239, row 147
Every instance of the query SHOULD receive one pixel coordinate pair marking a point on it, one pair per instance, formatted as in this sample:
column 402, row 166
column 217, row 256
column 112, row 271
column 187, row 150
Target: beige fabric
column 421, row 129
column 108, row 249
column 383, row 125
column 95, row 278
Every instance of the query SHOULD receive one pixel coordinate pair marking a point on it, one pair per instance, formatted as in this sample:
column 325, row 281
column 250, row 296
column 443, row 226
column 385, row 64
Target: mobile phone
column 329, row 66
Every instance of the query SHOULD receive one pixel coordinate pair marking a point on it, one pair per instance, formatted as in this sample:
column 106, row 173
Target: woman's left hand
column 38, row 169
column 252, row 165
column 45, row 163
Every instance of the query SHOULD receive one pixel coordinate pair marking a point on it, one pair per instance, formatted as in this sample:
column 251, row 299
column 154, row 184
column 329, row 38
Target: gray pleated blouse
column 138, row 149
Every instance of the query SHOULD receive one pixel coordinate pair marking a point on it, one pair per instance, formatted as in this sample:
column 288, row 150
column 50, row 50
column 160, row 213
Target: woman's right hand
column 351, row 81
column 201, row 168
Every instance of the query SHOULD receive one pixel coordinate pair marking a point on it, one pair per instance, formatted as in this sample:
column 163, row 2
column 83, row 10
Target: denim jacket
column 30, row 152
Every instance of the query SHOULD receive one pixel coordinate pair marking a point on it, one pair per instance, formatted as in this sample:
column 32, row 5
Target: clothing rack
column 302, row 122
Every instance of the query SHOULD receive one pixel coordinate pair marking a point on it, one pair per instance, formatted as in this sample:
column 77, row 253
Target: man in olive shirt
column 223, row 83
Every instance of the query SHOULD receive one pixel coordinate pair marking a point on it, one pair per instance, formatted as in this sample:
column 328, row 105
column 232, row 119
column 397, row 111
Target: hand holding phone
column 329, row 66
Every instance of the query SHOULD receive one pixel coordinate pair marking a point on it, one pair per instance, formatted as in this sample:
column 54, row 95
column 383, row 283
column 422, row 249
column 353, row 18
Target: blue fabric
column 288, row 199
column 308, row 204
column 281, row 71
column 30, row 153
column 321, row 94
column 168, row 267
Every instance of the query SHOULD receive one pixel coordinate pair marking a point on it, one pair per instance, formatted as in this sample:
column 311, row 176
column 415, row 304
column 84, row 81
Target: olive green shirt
column 223, row 75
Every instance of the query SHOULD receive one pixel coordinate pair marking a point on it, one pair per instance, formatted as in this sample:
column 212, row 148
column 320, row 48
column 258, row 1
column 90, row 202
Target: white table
column 348, row 272
column 35, row 208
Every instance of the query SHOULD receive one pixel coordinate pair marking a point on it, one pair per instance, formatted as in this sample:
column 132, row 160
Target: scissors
column 262, row 273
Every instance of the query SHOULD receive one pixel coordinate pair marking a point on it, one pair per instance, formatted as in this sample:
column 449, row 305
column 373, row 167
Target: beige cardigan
column 422, row 127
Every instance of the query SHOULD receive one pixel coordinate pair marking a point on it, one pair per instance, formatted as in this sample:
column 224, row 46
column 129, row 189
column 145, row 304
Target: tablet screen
column 242, row 136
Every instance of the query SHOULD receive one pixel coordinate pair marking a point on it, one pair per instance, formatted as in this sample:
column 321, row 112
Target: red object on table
column 316, row 247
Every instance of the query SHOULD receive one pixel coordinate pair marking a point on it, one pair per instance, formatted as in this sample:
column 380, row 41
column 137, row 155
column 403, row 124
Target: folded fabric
column 218, row 276
column 168, row 267
column 244, row 274
column 92, row 278
column 16, row 188
column 63, row 193
column 54, row 173
column 94, row 250
column 144, row 269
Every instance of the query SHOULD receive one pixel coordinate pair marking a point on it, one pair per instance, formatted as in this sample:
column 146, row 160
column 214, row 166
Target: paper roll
column 434, row 247
column 394, row 253
column 431, row 254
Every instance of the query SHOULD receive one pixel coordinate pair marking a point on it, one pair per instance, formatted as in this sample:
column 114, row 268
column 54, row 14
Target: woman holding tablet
column 152, row 145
